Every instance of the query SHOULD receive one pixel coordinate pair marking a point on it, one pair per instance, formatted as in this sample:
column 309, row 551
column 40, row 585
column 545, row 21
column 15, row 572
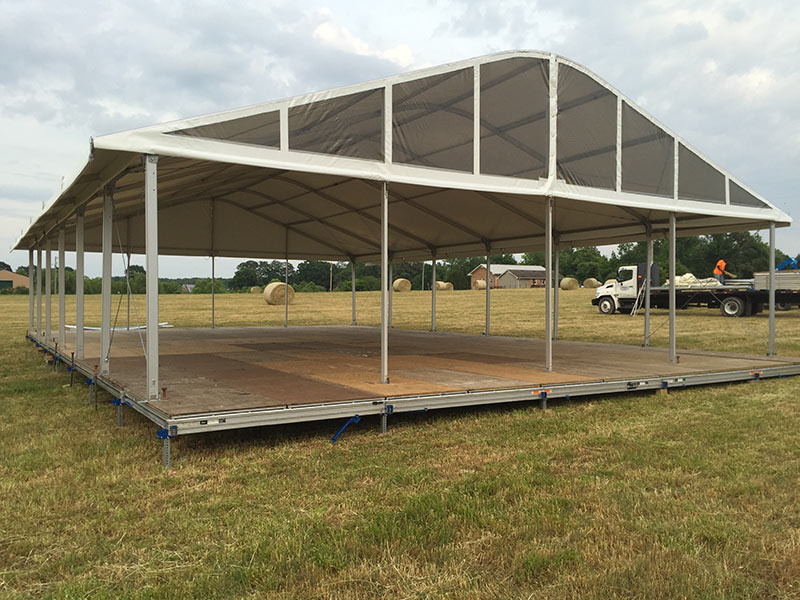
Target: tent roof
column 470, row 151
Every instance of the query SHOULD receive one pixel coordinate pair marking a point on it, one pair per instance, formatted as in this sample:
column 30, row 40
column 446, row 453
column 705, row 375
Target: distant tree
column 4, row 266
column 169, row 287
column 317, row 272
column 203, row 286
column 21, row 270
column 133, row 269
column 246, row 275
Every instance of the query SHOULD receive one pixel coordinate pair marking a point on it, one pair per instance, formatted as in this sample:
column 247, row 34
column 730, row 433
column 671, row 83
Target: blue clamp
column 162, row 434
column 353, row 419
column 89, row 381
column 389, row 409
column 543, row 394
column 664, row 385
column 116, row 402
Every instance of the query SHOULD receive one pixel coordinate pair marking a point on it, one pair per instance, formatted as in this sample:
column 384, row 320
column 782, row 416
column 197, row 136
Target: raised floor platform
column 238, row 377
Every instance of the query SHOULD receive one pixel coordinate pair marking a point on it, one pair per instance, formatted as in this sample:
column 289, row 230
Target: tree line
column 745, row 253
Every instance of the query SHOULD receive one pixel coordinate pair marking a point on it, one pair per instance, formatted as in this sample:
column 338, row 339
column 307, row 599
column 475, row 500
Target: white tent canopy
column 469, row 150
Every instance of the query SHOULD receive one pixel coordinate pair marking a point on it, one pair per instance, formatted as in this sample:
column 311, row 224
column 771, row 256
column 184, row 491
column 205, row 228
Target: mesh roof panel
column 514, row 125
column 741, row 197
column 350, row 125
column 432, row 121
column 260, row 130
column 648, row 155
column 698, row 180
column 587, row 130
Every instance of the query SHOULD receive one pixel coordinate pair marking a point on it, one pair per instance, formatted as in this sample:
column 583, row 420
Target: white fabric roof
column 470, row 150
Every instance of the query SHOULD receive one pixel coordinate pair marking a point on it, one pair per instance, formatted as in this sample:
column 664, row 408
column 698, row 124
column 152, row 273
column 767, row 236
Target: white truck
column 737, row 298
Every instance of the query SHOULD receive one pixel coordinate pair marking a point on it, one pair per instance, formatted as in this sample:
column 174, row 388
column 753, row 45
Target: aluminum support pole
column 48, row 283
column 353, row 289
column 128, row 291
column 391, row 292
column 648, row 285
column 556, row 287
column 384, row 268
column 433, row 294
column 487, row 328
column 771, row 350
column 213, row 264
column 151, row 259
column 673, row 352
column 30, row 290
column 286, row 278
column 286, row 292
column 39, row 293
column 548, row 283
column 105, row 290
column 62, row 307
column 79, row 285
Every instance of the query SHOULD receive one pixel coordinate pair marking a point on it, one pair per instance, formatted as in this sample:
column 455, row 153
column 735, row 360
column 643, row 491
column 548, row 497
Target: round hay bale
column 479, row 284
column 591, row 282
column 256, row 289
column 401, row 284
column 449, row 287
column 444, row 286
column 275, row 293
column 569, row 283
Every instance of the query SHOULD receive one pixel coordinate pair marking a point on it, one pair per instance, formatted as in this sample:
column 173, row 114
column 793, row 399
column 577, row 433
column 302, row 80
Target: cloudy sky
column 723, row 74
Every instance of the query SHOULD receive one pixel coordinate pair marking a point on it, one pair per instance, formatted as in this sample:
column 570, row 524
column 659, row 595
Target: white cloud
column 337, row 36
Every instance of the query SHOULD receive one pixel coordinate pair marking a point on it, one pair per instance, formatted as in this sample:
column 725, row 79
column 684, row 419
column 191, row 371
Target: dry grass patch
column 692, row 494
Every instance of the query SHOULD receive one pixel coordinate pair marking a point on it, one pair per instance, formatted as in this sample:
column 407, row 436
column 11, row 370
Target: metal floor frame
column 174, row 426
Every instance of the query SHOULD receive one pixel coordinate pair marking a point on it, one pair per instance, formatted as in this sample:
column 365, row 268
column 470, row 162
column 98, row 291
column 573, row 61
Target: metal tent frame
column 403, row 168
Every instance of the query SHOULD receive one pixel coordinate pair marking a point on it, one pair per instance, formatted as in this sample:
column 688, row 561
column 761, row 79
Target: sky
column 723, row 74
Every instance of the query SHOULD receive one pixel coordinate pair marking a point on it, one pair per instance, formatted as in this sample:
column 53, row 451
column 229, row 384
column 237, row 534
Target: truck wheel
column 606, row 306
column 783, row 306
column 732, row 307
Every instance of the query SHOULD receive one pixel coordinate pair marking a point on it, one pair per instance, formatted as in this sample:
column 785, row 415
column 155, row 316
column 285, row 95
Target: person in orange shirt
column 719, row 271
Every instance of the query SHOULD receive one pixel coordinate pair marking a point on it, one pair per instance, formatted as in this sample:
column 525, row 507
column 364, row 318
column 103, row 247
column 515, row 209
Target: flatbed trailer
column 742, row 299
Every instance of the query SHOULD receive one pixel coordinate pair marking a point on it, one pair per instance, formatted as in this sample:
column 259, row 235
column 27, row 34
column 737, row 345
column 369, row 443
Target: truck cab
column 621, row 293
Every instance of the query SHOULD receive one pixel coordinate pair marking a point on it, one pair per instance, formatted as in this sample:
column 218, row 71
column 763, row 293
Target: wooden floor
column 211, row 370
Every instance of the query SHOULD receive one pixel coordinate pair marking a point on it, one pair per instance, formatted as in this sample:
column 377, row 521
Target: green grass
column 688, row 495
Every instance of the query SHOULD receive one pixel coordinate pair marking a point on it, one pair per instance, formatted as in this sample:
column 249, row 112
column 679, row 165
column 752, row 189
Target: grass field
column 689, row 495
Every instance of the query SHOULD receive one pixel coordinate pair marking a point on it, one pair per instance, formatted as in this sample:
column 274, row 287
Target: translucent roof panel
column 587, row 130
column 262, row 129
column 515, row 130
column 698, row 180
column 741, row 197
column 432, row 121
column 350, row 125
column 648, row 155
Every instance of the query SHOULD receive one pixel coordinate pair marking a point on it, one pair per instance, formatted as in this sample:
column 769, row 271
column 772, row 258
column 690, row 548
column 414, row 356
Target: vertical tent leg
column 286, row 294
column 433, row 294
column 673, row 352
column 213, row 264
column 286, row 280
column 30, row 290
column 771, row 350
column 647, row 286
column 556, row 286
column 62, row 329
column 384, row 422
column 384, row 278
column 128, row 290
column 151, row 251
column 353, row 289
column 391, row 292
column 548, row 283
column 119, row 415
column 487, row 327
column 105, row 290
column 39, row 293
column 48, row 282
column 79, row 285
